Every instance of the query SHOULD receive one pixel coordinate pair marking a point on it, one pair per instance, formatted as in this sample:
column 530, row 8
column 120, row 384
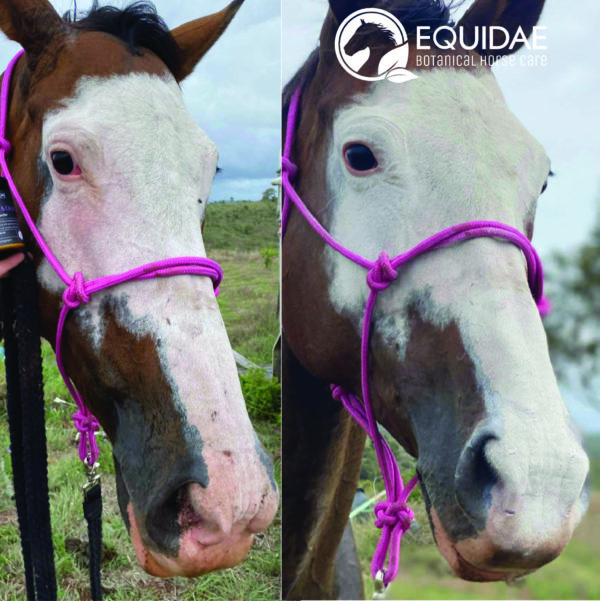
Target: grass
column 248, row 303
column 241, row 226
column 243, row 238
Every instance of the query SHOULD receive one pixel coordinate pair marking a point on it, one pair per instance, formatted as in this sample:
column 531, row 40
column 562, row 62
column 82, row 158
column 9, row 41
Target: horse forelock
column 138, row 25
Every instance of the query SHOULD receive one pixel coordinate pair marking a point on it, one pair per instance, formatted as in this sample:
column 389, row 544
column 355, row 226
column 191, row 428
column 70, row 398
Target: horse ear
column 31, row 23
column 196, row 37
column 509, row 14
column 342, row 8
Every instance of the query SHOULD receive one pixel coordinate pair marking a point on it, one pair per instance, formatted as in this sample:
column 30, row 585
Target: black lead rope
column 92, row 510
column 25, row 405
column 29, row 456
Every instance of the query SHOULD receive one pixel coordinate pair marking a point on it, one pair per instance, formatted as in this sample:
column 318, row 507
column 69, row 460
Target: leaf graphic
column 398, row 57
column 398, row 75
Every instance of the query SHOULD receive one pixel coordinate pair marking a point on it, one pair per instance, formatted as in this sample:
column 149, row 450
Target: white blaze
column 146, row 165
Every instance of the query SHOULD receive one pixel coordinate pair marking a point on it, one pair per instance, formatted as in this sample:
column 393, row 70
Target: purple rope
column 393, row 516
column 79, row 291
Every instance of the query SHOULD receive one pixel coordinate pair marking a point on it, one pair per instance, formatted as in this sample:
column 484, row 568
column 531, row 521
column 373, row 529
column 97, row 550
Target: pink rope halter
column 79, row 291
column 393, row 516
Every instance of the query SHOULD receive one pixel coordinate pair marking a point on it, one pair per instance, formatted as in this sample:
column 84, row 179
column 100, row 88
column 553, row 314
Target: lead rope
column 92, row 511
column 392, row 516
column 25, row 407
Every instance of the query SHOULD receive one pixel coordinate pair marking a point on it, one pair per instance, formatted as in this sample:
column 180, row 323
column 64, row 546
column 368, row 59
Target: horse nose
column 204, row 517
column 475, row 477
column 211, row 524
column 195, row 529
column 524, row 500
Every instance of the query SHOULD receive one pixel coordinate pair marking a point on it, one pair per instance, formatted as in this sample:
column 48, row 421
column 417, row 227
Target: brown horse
column 116, row 174
column 459, row 368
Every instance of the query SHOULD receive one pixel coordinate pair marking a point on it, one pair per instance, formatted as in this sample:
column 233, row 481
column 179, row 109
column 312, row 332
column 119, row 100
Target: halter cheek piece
column 79, row 291
column 393, row 516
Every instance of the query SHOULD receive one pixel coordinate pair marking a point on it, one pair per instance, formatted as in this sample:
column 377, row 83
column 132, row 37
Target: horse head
column 370, row 35
column 116, row 174
column 459, row 366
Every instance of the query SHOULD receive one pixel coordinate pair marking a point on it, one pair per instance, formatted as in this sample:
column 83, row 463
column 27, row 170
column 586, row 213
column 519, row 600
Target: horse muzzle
column 209, row 540
column 201, row 520
column 521, row 510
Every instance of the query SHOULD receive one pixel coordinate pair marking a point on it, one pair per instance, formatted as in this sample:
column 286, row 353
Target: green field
column 249, row 305
column 242, row 226
column 248, row 302
column 424, row 574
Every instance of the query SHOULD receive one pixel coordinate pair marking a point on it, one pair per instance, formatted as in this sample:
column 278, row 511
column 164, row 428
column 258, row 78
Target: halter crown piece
column 79, row 290
column 393, row 516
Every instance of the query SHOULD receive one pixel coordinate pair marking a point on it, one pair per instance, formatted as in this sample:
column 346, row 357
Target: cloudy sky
column 558, row 104
column 234, row 92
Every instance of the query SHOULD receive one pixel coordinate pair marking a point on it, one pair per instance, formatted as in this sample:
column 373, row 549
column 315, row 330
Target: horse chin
column 480, row 560
column 196, row 555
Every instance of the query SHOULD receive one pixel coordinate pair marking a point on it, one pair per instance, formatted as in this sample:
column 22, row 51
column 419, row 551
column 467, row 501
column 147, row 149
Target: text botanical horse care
column 116, row 174
column 458, row 368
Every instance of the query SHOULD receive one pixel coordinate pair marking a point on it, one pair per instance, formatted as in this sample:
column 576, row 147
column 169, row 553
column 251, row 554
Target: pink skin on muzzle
column 217, row 523
column 209, row 542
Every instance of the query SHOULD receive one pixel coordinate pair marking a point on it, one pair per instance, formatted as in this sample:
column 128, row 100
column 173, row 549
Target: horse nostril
column 186, row 510
column 475, row 477
column 162, row 523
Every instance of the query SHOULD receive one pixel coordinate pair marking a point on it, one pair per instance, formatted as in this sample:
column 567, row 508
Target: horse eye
column 359, row 157
column 63, row 162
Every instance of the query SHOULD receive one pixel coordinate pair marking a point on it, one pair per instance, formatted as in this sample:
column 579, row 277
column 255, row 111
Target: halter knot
column 76, row 293
column 392, row 513
column 85, row 423
column 337, row 392
column 5, row 145
column 382, row 274
column 288, row 167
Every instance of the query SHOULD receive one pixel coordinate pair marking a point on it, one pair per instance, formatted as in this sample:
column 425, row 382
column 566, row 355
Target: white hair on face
column 449, row 151
column 147, row 169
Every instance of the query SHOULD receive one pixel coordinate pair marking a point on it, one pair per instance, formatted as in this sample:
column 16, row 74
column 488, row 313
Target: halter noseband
column 393, row 516
column 79, row 291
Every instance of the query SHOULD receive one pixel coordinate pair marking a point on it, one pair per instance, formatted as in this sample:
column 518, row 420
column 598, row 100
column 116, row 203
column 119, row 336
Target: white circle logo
column 373, row 41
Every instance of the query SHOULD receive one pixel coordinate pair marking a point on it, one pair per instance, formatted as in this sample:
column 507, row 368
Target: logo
column 373, row 41
column 371, row 44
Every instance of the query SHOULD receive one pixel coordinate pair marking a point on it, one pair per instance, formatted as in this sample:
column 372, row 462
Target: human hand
column 7, row 264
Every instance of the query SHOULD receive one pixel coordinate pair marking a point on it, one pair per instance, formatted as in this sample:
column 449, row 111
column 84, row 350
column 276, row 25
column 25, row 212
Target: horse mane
column 379, row 29
column 137, row 25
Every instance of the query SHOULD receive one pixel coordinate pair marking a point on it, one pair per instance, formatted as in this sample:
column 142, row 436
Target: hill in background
column 242, row 225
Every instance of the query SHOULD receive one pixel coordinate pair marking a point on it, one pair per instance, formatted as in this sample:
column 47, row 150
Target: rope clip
column 380, row 588
column 93, row 477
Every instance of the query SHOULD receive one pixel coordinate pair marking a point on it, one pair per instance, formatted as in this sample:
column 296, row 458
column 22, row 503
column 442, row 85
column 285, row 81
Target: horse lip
column 215, row 556
column 464, row 568
column 473, row 573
